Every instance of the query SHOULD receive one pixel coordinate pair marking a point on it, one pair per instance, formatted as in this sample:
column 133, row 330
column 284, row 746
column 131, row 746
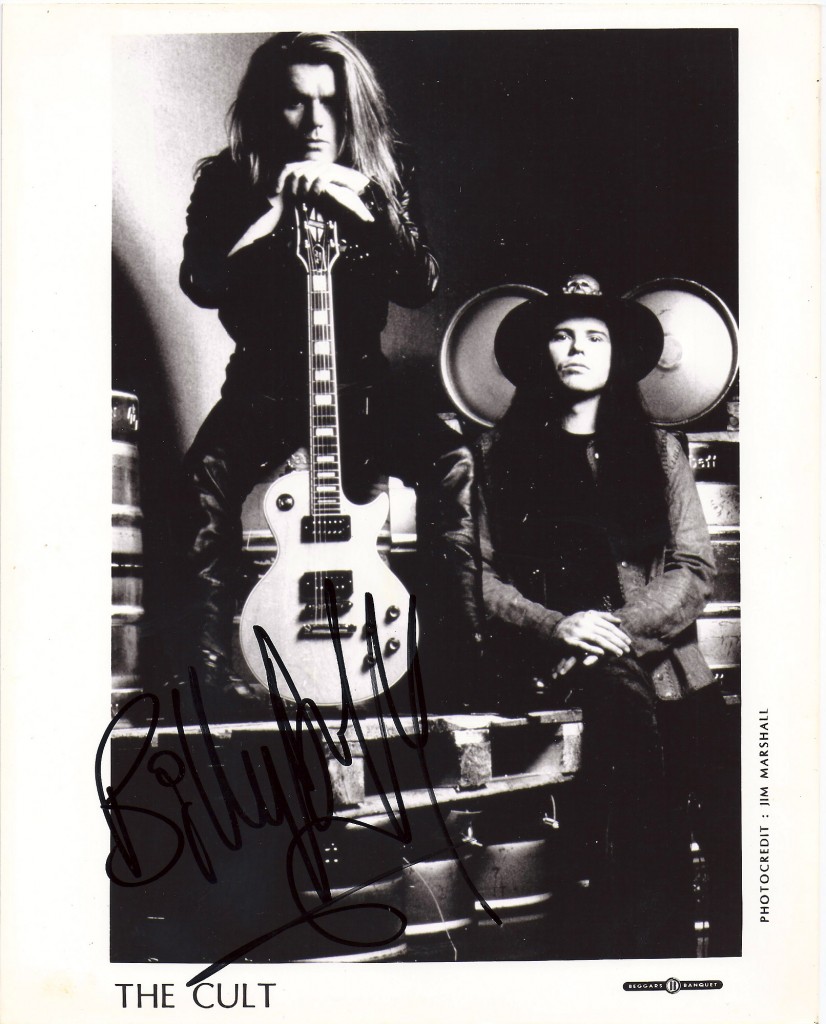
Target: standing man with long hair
column 310, row 122
column 586, row 561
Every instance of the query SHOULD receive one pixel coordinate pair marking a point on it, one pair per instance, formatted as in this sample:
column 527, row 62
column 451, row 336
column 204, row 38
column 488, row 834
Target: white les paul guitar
column 321, row 536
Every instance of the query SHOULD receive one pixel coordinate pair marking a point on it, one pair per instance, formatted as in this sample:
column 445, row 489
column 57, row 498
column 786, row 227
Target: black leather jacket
column 260, row 291
column 661, row 599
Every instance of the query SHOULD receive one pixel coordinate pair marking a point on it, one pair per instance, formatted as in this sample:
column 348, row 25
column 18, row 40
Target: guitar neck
column 325, row 453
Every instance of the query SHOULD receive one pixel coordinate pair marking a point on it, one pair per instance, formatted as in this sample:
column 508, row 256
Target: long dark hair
column 369, row 142
column 630, row 474
column 631, row 481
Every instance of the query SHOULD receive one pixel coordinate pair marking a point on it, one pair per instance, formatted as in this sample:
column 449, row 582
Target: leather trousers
column 649, row 780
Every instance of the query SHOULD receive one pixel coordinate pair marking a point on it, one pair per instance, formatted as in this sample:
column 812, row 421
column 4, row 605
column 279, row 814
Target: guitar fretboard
column 321, row 247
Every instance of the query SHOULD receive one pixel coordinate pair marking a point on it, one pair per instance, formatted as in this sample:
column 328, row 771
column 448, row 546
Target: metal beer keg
column 127, row 549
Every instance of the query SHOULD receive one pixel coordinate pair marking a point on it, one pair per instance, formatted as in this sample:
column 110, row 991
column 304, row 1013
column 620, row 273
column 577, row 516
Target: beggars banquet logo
column 671, row 985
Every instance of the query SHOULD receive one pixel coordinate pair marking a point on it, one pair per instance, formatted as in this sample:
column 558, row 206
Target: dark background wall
column 550, row 151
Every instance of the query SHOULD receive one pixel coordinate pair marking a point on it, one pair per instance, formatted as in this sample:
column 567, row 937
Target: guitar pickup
column 325, row 529
column 317, row 631
column 312, row 587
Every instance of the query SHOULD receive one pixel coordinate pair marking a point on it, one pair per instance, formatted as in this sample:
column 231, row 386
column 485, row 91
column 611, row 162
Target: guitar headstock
column 317, row 243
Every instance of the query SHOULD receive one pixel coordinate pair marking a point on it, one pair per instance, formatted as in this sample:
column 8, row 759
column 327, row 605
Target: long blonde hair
column 369, row 142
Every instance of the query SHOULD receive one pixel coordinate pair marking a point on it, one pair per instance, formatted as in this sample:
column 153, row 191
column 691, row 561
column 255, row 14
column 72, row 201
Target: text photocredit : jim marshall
column 763, row 761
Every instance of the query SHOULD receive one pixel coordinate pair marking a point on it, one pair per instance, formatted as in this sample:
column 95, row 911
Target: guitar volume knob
column 284, row 502
column 392, row 645
column 393, row 612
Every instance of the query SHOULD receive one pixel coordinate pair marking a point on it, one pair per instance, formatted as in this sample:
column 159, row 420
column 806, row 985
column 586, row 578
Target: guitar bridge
column 319, row 631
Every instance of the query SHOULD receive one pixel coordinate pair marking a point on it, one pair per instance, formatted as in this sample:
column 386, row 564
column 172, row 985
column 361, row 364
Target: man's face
column 580, row 351
column 311, row 113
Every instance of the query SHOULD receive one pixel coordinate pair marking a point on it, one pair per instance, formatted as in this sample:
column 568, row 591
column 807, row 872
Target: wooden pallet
column 468, row 757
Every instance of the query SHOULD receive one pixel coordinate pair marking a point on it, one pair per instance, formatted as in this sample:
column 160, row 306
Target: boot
column 223, row 696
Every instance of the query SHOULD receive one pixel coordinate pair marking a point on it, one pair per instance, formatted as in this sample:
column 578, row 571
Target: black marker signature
column 305, row 804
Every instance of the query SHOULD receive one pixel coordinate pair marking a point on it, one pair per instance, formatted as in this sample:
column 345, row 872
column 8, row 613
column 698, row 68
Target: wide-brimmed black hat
column 636, row 333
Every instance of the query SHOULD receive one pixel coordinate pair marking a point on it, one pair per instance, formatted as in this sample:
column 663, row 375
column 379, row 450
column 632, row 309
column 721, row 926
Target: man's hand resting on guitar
column 303, row 180
column 309, row 178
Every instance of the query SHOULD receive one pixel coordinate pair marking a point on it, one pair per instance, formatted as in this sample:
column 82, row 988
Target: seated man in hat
column 586, row 560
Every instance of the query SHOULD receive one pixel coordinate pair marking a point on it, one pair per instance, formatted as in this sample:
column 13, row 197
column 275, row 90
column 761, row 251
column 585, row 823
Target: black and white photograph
column 429, row 639
column 567, row 689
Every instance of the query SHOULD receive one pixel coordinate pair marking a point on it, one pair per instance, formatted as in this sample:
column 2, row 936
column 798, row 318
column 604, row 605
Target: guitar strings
column 318, row 236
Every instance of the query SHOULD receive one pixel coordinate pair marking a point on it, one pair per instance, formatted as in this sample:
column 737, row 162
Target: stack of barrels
column 505, row 845
column 127, row 550
column 715, row 461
